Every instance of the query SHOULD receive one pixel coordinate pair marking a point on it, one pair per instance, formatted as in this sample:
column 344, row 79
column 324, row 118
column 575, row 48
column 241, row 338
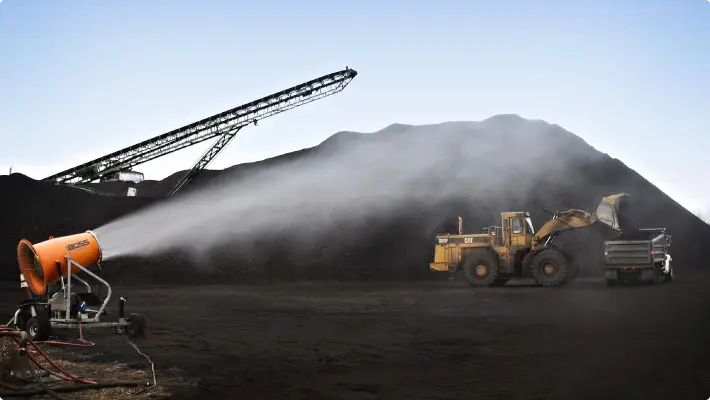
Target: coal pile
column 37, row 210
column 472, row 169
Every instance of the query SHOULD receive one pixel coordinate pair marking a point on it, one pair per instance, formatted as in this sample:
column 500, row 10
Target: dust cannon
column 49, row 273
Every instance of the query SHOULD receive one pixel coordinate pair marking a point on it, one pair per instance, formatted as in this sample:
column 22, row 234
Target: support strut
column 204, row 161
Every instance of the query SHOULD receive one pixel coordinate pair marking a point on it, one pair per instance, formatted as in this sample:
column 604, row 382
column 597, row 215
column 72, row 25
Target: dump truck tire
column 480, row 269
column 550, row 268
column 657, row 275
column 669, row 276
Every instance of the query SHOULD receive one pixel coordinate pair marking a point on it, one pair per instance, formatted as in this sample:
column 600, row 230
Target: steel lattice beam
column 207, row 128
column 205, row 160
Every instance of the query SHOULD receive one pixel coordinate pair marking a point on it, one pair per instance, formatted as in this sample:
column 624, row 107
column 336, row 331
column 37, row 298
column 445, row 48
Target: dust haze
column 352, row 179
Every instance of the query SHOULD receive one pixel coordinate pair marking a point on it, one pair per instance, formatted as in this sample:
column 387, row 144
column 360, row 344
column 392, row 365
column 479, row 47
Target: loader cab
column 495, row 234
column 518, row 229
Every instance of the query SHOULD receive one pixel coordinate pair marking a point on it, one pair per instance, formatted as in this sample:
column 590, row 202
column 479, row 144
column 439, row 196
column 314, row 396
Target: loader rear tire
column 480, row 269
column 550, row 267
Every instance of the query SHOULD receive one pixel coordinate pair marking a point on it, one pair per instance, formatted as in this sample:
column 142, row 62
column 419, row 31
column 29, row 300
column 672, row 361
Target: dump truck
column 641, row 257
column 515, row 250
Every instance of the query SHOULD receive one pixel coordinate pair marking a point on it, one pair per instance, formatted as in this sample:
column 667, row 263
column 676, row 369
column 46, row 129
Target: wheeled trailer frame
column 67, row 309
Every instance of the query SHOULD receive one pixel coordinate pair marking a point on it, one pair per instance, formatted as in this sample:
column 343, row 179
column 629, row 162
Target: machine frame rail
column 220, row 124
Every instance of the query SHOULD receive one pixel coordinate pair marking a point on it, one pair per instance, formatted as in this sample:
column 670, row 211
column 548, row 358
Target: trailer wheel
column 612, row 282
column 137, row 326
column 38, row 328
column 480, row 269
column 550, row 267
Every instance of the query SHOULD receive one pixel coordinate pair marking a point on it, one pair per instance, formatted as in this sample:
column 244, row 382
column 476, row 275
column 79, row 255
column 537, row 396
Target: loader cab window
column 517, row 225
column 529, row 226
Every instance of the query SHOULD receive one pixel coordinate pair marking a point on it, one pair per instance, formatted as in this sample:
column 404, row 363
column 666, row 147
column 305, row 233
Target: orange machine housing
column 46, row 262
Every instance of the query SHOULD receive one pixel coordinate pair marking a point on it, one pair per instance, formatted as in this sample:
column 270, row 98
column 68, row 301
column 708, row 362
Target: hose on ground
column 54, row 364
column 64, row 374
column 153, row 384
column 82, row 384
column 82, row 342
column 69, row 389
column 44, row 388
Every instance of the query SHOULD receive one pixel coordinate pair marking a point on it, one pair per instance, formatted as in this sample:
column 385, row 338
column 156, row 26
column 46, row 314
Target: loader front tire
column 573, row 269
column 550, row 267
column 480, row 269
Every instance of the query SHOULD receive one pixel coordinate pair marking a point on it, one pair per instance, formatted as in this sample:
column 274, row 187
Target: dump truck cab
column 517, row 250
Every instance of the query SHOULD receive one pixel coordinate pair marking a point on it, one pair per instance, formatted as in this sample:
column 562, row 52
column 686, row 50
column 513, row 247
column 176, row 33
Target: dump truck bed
column 638, row 259
column 628, row 252
column 635, row 252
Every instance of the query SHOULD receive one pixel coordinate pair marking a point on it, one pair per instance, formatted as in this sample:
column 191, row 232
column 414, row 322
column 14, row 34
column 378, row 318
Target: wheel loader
column 516, row 250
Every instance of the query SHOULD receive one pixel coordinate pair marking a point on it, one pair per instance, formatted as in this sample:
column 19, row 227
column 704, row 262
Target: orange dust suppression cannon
column 48, row 270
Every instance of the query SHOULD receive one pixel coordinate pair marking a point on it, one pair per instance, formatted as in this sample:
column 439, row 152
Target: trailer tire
column 137, row 326
column 612, row 282
column 480, row 269
column 550, row 267
column 38, row 328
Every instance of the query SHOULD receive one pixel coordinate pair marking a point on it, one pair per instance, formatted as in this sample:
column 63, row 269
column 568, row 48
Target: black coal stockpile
column 36, row 210
column 471, row 169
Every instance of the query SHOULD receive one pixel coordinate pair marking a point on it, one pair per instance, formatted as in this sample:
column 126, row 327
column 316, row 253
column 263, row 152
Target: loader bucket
column 608, row 212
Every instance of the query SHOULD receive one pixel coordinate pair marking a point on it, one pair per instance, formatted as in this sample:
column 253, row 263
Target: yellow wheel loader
column 516, row 250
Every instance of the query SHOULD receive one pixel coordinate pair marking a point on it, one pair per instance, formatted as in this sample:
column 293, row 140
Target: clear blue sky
column 79, row 79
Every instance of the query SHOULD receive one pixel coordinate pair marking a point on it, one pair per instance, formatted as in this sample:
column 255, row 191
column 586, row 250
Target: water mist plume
column 352, row 179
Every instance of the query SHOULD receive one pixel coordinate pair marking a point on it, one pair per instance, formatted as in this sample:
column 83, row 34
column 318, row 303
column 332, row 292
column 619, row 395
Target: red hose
column 84, row 343
column 45, row 369
column 67, row 376
column 60, row 369
column 10, row 387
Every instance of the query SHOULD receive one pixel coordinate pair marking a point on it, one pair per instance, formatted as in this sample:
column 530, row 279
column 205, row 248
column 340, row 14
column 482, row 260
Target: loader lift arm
column 607, row 213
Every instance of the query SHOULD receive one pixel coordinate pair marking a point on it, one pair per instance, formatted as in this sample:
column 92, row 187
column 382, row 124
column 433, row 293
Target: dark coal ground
column 435, row 340
column 350, row 334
